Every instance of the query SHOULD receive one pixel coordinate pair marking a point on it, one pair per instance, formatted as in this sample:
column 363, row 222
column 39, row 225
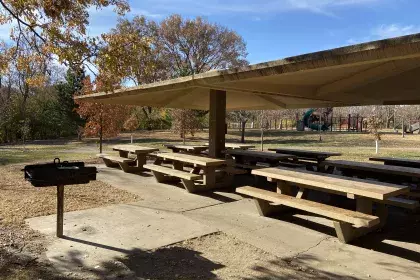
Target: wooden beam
column 217, row 121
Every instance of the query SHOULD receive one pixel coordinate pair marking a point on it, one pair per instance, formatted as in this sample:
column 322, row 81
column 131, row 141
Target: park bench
column 348, row 224
column 344, row 220
column 397, row 161
column 209, row 168
column 164, row 174
column 126, row 163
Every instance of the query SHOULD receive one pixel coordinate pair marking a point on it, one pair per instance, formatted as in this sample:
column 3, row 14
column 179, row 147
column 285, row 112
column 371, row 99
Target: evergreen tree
column 70, row 119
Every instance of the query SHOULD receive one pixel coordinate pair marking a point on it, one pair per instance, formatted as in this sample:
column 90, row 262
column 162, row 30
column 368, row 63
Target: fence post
column 349, row 123
column 332, row 121
column 357, row 122
column 339, row 122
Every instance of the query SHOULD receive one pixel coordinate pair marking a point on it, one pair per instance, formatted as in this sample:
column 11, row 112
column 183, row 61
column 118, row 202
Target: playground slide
column 415, row 127
column 314, row 126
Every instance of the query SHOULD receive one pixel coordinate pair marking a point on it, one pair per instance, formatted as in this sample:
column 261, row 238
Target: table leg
column 209, row 177
column 364, row 205
column 346, row 232
column 60, row 210
column 158, row 161
column 141, row 160
column 284, row 188
column 177, row 165
column 123, row 154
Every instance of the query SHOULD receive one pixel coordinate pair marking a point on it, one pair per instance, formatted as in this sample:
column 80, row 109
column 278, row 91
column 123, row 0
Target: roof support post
column 217, row 126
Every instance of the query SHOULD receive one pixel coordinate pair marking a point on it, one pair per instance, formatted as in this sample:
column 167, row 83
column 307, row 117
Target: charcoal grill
column 58, row 174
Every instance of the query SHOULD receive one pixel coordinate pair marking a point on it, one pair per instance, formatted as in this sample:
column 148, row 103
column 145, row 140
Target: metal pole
column 60, row 210
column 403, row 128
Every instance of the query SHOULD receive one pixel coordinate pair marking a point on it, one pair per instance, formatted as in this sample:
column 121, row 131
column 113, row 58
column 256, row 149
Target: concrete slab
column 162, row 196
column 242, row 220
column 96, row 236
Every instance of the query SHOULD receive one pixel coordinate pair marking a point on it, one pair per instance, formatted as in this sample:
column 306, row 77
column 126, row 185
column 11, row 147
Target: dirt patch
column 19, row 200
column 215, row 256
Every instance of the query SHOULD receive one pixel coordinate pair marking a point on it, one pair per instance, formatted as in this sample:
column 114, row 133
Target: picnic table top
column 240, row 146
column 186, row 147
column 134, row 148
column 358, row 187
column 397, row 161
column 259, row 154
column 199, row 160
column 305, row 153
column 366, row 166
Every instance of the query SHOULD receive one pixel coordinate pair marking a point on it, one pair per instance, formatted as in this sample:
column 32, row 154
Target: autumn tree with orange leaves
column 102, row 120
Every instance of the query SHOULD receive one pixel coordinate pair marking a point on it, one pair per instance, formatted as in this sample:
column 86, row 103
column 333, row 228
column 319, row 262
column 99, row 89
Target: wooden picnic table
column 385, row 173
column 236, row 146
column 398, row 161
column 348, row 224
column 378, row 171
column 200, row 163
column 193, row 149
column 139, row 151
column 251, row 158
column 304, row 156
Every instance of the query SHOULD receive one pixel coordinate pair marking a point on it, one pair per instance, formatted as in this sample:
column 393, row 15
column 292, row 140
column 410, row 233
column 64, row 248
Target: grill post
column 60, row 210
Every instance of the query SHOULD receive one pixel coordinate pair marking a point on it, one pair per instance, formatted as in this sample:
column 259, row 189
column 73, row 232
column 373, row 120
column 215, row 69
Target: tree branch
column 22, row 22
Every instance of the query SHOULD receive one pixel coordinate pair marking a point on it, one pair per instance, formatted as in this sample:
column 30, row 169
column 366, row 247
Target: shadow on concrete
column 177, row 262
column 163, row 263
column 401, row 227
column 297, row 269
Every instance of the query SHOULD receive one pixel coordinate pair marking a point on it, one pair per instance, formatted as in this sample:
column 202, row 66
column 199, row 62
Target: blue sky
column 274, row 29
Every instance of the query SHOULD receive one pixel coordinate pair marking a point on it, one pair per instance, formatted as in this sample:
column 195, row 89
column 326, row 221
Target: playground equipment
column 413, row 128
column 316, row 120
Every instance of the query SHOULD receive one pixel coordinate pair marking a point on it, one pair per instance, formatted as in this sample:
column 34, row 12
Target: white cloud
column 146, row 13
column 386, row 31
column 394, row 30
column 248, row 6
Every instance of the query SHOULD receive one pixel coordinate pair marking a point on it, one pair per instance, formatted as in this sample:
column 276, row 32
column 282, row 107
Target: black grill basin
column 59, row 173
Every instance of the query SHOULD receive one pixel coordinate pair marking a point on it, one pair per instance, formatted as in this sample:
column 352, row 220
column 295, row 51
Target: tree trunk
column 100, row 136
column 243, row 124
column 262, row 139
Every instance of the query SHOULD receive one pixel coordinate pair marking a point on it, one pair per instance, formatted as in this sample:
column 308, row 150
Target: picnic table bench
column 192, row 149
column 307, row 157
column 208, row 167
column 126, row 163
column 249, row 159
column 348, row 224
column 397, row 161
